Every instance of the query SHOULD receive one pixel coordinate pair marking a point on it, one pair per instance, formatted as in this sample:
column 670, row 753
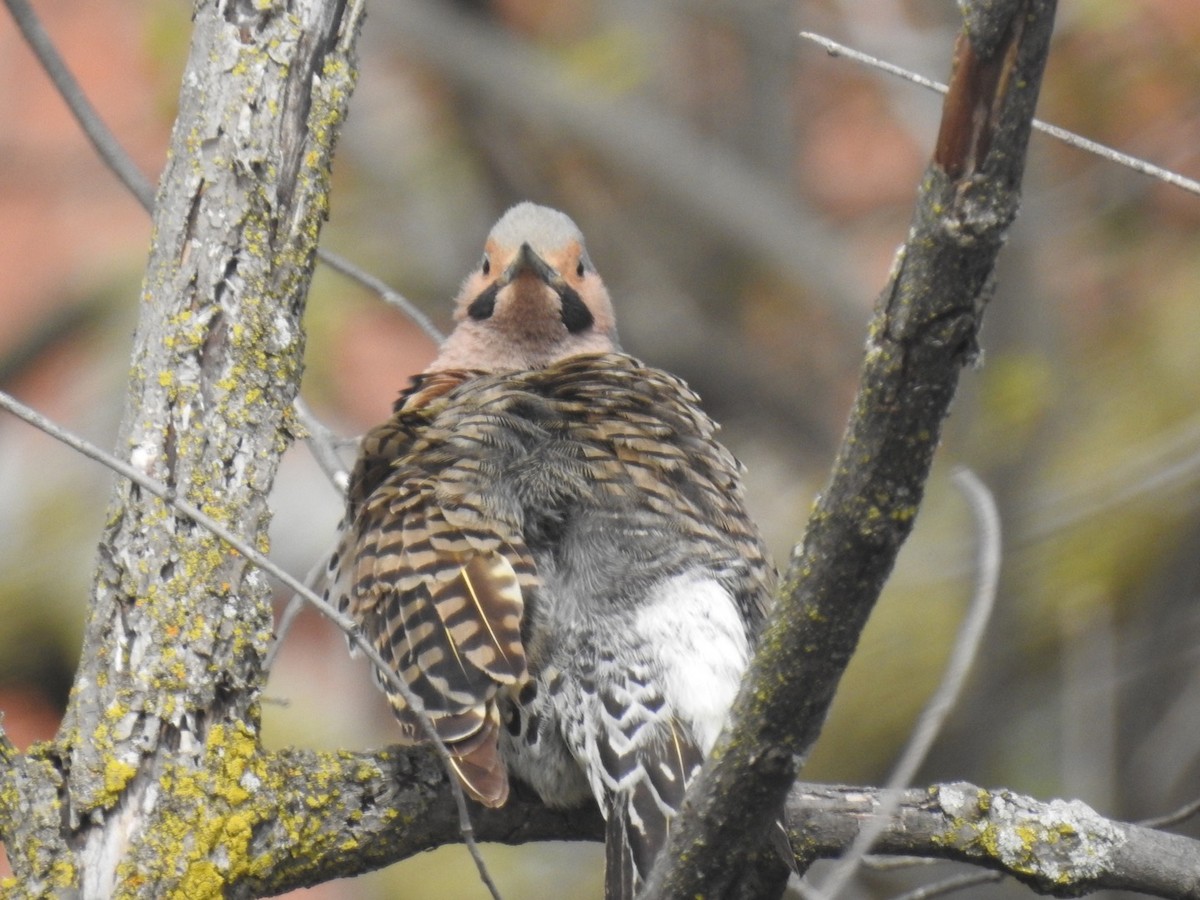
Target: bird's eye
column 487, row 265
column 579, row 269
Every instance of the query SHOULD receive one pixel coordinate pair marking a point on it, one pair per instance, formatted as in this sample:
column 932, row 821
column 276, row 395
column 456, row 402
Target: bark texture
column 146, row 791
column 922, row 334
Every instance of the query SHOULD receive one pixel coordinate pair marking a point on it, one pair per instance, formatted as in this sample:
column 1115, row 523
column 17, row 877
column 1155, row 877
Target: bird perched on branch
column 549, row 546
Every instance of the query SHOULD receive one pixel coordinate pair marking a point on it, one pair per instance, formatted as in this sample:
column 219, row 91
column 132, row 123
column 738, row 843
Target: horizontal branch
column 362, row 811
column 1058, row 847
column 368, row 810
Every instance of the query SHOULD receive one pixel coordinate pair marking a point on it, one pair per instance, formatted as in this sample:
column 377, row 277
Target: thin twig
column 293, row 609
column 1173, row 818
column 1067, row 137
column 894, row 863
column 392, row 298
column 97, row 132
column 962, row 656
column 323, row 444
column 122, row 165
column 950, row 885
column 287, row 618
column 343, row 622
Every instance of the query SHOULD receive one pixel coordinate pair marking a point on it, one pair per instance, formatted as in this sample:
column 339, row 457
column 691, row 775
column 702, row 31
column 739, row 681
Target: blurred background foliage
column 743, row 194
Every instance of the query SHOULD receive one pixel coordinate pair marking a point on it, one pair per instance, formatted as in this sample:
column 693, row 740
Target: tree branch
column 922, row 334
column 1060, row 847
column 361, row 811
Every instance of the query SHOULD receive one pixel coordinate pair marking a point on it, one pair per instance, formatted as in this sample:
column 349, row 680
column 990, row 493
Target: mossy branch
column 362, row 811
column 922, row 334
column 1057, row 847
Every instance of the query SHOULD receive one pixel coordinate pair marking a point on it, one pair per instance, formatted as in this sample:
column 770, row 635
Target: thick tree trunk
column 148, row 789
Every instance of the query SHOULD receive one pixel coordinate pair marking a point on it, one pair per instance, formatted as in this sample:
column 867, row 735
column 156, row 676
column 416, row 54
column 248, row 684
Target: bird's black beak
column 528, row 261
column 574, row 312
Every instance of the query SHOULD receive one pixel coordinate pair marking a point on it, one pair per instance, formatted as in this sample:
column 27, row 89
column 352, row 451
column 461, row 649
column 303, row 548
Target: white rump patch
column 693, row 626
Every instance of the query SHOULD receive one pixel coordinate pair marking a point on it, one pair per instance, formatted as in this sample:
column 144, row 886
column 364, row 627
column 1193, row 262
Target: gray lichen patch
column 1060, row 845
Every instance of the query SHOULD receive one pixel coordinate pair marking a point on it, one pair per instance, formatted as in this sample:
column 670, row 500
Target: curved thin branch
column 343, row 266
column 323, row 444
column 118, row 160
column 121, row 164
column 1182, row 814
column 102, row 139
column 965, row 649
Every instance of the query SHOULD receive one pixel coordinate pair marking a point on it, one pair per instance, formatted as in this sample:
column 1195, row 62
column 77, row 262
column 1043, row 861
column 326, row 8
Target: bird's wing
column 438, row 586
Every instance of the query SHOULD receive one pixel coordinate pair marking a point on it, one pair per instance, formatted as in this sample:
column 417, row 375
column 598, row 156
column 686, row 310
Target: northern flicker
column 551, row 549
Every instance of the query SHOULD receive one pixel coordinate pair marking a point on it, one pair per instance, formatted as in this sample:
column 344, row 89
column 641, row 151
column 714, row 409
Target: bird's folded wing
column 443, row 603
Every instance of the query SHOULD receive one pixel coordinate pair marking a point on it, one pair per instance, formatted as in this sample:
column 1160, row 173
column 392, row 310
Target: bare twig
column 287, row 619
column 122, row 165
column 877, row 863
column 343, row 622
column 1173, row 818
column 324, row 446
column 106, row 145
column 1163, row 466
column 962, row 656
column 393, row 298
column 950, row 885
column 1067, row 137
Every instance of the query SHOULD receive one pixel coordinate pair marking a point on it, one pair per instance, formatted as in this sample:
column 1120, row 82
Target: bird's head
column 535, row 298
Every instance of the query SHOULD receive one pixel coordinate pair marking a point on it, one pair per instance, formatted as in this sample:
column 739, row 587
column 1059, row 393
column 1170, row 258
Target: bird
column 547, row 543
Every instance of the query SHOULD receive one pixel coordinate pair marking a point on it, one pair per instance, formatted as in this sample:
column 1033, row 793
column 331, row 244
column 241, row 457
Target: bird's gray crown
column 543, row 228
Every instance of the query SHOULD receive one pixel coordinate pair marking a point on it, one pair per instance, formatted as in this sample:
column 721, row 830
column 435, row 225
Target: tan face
column 529, row 304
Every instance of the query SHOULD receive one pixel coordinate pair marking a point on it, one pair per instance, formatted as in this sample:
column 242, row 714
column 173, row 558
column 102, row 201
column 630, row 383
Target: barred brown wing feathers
column 389, row 441
column 449, row 491
column 440, row 594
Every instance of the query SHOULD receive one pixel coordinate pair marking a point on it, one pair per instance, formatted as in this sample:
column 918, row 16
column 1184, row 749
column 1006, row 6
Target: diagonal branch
column 102, row 139
column 922, row 334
